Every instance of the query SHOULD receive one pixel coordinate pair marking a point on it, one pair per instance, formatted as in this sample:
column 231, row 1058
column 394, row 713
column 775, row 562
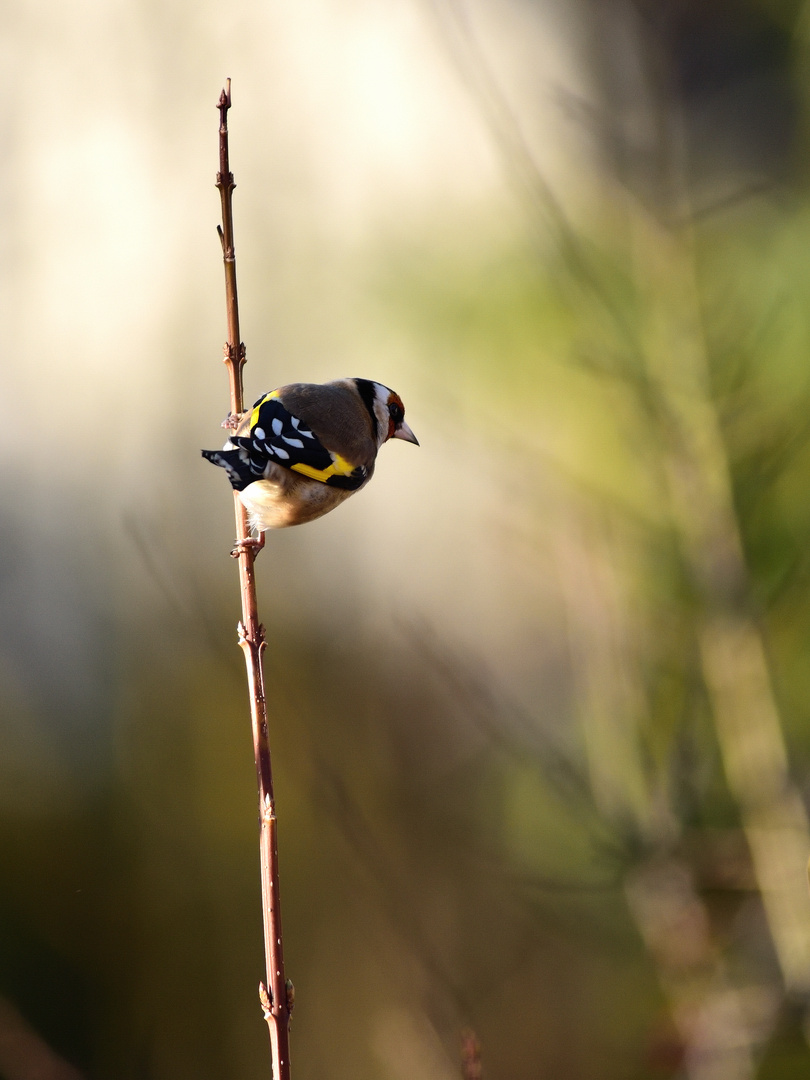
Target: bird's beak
column 404, row 432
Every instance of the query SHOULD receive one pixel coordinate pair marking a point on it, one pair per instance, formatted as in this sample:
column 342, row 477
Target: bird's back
column 335, row 411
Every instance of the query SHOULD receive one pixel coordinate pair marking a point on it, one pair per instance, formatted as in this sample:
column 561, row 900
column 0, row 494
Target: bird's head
column 389, row 412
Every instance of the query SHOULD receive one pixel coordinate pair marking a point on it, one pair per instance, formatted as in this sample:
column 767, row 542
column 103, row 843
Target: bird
column 303, row 448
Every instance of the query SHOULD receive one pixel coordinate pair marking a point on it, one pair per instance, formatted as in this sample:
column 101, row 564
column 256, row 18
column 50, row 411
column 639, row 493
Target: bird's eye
column 396, row 412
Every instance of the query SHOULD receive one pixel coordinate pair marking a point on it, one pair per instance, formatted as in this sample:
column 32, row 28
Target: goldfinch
column 306, row 447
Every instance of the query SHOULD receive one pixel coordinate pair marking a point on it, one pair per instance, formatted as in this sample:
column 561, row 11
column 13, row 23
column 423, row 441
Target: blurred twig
column 458, row 35
column 394, row 885
column 732, row 649
column 470, row 1056
column 24, row 1054
column 178, row 584
column 694, row 457
column 275, row 997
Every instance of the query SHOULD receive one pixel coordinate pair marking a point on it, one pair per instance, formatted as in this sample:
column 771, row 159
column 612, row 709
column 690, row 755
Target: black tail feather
column 235, row 463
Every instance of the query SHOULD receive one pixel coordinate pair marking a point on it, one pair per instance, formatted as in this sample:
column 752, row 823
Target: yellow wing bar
column 339, row 467
column 254, row 416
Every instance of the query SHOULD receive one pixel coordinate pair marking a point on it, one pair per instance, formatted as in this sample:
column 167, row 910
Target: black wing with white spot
column 279, row 437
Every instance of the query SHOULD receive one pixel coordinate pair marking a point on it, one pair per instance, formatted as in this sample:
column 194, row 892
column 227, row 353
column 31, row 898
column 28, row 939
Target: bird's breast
column 279, row 504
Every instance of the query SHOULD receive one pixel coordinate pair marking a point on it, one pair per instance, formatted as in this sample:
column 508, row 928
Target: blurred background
column 540, row 695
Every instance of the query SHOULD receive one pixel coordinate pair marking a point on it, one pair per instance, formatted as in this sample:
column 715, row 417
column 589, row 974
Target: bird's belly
column 274, row 505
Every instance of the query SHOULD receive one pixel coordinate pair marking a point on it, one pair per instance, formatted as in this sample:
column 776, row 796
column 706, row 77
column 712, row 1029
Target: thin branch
column 470, row 1056
column 276, row 996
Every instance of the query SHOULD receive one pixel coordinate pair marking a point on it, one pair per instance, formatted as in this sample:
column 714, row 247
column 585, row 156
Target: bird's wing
column 275, row 435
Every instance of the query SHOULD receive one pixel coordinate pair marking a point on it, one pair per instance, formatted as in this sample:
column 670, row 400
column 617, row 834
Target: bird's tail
column 236, row 464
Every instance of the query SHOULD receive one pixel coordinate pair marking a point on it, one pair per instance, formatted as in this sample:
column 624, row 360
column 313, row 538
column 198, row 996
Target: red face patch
column 396, row 414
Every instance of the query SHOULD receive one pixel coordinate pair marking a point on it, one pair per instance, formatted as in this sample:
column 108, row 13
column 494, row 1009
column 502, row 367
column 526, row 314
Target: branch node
column 232, row 355
column 225, row 180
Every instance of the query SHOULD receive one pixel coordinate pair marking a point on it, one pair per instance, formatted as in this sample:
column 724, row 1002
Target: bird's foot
column 250, row 543
column 232, row 421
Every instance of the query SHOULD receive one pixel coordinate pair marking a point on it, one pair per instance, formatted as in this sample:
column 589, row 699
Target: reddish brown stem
column 470, row 1056
column 276, row 997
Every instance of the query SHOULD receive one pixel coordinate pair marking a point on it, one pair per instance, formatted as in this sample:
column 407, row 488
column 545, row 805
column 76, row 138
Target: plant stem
column 275, row 998
column 470, row 1056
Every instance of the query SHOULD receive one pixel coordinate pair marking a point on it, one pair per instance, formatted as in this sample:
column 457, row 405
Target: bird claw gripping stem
column 250, row 543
